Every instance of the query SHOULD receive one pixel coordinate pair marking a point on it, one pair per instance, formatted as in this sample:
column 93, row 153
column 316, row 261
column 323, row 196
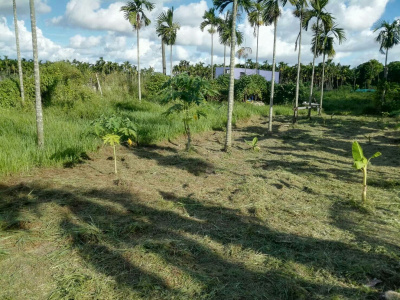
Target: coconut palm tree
column 255, row 18
column 38, row 98
column 271, row 15
column 221, row 5
column 326, row 40
column 167, row 30
column 21, row 79
column 210, row 19
column 300, row 5
column 244, row 52
column 225, row 33
column 317, row 11
column 388, row 37
column 134, row 12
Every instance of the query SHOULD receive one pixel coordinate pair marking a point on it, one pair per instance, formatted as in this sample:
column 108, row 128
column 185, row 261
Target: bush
column 286, row 93
column 153, row 84
column 252, row 86
column 9, row 93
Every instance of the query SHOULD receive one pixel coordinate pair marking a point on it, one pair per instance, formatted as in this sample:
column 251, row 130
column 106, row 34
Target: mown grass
column 283, row 223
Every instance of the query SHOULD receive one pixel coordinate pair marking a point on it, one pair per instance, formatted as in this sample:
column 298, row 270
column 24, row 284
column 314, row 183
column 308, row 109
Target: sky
column 88, row 29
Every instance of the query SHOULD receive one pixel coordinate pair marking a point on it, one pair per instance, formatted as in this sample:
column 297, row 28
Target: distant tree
column 388, row 37
column 317, row 11
column 221, row 5
column 272, row 13
column 256, row 20
column 300, row 6
column 225, row 34
column 167, row 29
column 324, row 36
column 38, row 98
column 21, row 78
column 244, row 52
column 394, row 71
column 134, row 12
column 210, row 19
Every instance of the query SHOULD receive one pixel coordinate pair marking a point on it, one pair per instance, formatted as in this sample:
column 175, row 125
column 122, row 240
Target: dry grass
column 283, row 223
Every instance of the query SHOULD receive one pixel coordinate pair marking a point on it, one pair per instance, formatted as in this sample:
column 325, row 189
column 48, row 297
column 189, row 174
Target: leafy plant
column 123, row 127
column 187, row 92
column 253, row 144
column 112, row 140
column 361, row 163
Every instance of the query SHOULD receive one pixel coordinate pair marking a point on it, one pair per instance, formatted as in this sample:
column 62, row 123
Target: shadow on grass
column 163, row 157
column 209, row 245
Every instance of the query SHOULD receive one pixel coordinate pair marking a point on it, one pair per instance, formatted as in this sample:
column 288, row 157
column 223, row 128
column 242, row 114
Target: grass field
column 283, row 223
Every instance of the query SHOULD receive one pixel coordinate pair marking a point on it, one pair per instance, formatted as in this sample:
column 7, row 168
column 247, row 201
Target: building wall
column 241, row 71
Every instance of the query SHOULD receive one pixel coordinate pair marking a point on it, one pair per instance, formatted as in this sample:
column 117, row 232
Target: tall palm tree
column 225, row 33
column 317, row 11
column 221, row 5
column 388, row 37
column 300, row 5
column 244, row 52
column 326, row 40
column 21, row 79
column 164, row 62
column 134, row 12
column 255, row 18
column 271, row 15
column 38, row 98
column 210, row 19
column 167, row 30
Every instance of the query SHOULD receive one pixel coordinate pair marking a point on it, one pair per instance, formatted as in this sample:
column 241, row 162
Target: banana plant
column 361, row 163
column 253, row 144
column 112, row 140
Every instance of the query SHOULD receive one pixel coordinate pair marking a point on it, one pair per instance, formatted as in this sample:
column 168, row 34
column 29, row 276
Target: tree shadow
column 193, row 165
column 210, row 244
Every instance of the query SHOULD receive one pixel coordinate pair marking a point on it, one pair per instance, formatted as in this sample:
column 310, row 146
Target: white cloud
column 41, row 7
column 80, row 42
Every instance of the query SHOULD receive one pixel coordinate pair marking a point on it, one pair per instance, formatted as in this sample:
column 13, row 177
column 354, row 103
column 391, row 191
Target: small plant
column 369, row 137
column 361, row 163
column 112, row 140
column 253, row 144
column 123, row 127
column 186, row 92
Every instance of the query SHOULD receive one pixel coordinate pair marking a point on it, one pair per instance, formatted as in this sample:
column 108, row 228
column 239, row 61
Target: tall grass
column 68, row 133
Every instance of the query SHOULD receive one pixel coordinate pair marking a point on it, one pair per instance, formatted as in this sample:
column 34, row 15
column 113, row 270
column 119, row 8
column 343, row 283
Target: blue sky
column 88, row 29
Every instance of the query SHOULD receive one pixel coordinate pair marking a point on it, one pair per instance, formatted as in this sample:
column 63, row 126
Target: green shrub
column 154, row 83
column 252, row 86
column 9, row 93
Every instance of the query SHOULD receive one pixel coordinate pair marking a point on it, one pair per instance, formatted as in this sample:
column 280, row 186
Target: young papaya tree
column 186, row 93
column 113, row 140
column 361, row 163
column 114, row 130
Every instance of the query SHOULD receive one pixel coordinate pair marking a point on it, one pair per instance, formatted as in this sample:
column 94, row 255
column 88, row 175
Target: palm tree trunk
column 224, row 57
column 228, row 140
column 21, row 79
column 212, row 53
column 322, row 85
column 385, row 74
column 296, row 105
column 271, row 99
column 164, row 64
column 258, row 33
column 138, row 65
column 313, row 70
column 38, row 98
column 170, row 58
